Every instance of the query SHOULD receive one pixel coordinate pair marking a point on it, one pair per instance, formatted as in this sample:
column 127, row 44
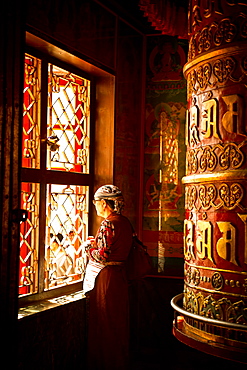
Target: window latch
column 52, row 142
column 19, row 215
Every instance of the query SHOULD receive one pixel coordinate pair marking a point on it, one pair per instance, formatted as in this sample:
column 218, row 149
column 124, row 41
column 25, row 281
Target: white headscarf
column 111, row 192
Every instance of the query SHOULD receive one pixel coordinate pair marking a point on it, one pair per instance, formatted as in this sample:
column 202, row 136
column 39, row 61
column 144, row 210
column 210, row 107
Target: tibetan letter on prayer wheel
column 215, row 227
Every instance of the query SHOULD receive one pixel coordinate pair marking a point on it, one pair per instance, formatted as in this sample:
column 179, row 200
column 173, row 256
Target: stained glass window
column 55, row 176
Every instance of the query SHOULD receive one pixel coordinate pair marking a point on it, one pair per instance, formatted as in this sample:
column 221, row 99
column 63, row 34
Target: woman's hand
column 89, row 242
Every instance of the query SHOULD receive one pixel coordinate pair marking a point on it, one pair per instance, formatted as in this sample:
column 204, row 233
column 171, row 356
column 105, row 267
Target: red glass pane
column 31, row 113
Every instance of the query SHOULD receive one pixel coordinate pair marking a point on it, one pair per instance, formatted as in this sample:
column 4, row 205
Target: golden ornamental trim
column 199, row 288
column 215, row 269
column 231, row 175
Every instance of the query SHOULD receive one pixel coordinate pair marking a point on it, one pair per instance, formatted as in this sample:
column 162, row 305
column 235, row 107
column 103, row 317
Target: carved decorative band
column 219, row 309
column 218, row 34
column 216, row 73
column 224, row 156
column 223, row 53
column 204, row 197
column 215, row 281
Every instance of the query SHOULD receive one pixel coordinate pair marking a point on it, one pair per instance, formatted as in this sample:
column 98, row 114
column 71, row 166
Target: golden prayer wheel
column 214, row 311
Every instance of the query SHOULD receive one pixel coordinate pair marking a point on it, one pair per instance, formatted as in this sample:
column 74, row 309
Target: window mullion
column 43, row 173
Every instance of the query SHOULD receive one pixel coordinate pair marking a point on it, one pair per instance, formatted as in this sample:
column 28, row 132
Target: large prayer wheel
column 215, row 228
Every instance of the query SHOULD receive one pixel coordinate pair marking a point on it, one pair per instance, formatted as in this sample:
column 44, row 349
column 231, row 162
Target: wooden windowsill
column 49, row 303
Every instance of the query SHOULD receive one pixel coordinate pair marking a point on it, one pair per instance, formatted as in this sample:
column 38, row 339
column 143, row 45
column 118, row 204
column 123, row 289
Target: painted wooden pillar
column 215, row 227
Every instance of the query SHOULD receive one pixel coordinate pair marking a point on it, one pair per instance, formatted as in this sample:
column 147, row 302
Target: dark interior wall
column 82, row 27
column 129, row 98
column 53, row 339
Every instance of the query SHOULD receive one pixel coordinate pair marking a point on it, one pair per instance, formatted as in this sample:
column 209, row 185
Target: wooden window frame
column 102, row 137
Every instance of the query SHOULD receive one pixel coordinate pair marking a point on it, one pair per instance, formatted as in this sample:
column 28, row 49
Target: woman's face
column 100, row 207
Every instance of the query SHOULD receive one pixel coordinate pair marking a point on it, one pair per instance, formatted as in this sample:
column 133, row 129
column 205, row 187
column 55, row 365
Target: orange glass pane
column 68, row 121
column 67, row 220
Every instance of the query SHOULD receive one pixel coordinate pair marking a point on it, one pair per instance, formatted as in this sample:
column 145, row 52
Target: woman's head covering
column 111, row 192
